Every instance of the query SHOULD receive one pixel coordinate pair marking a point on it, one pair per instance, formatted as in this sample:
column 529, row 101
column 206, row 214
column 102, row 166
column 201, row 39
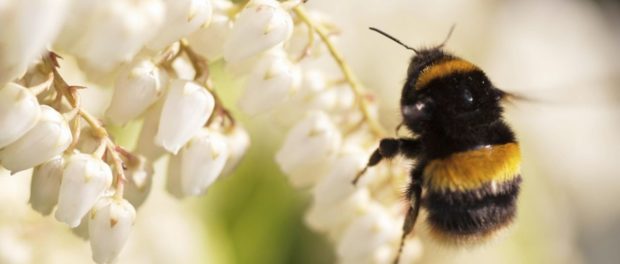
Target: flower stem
column 362, row 101
column 71, row 94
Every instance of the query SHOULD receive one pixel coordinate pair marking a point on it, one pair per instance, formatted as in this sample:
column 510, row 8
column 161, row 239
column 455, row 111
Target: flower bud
column 238, row 142
column 19, row 112
column 45, row 184
column 202, row 161
column 28, row 26
column 310, row 146
column 263, row 24
column 269, row 85
column 146, row 140
column 139, row 175
column 209, row 41
column 114, row 31
column 366, row 235
column 173, row 177
column 109, row 226
column 84, row 180
column 186, row 109
column 48, row 138
column 336, row 185
column 137, row 87
column 182, row 18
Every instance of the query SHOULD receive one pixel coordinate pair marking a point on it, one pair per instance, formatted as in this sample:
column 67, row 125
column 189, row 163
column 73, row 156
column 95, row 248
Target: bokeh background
column 562, row 54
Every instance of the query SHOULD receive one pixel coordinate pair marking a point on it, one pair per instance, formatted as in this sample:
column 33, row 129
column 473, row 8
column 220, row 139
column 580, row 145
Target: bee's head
column 447, row 93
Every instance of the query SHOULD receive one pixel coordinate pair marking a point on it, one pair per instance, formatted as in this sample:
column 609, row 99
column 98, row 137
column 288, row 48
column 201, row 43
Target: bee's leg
column 415, row 191
column 388, row 148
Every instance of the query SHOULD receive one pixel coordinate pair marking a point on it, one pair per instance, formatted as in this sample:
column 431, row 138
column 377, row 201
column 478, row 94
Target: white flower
column 336, row 186
column 202, row 161
column 45, row 184
column 109, row 226
column 311, row 95
column 137, row 87
column 238, row 142
column 182, row 18
column 187, row 107
column 111, row 32
column 139, row 175
column 146, row 140
column 209, row 41
column 263, row 24
column 334, row 217
column 366, row 235
column 19, row 112
column 84, row 180
column 308, row 149
column 269, row 85
column 48, row 138
column 28, row 26
column 173, row 177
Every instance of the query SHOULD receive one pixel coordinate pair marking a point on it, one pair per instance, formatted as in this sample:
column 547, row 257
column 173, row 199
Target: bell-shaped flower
column 137, row 87
column 335, row 217
column 111, row 32
column 209, row 41
column 48, row 138
column 45, row 184
column 109, row 226
column 309, row 149
column 146, row 140
column 367, row 234
column 139, row 176
column 27, row 29
column 186, row 109
column 238, row 142
column 261, row 25
column 84, row 180
column 336, row 185
column 182, row 18
column 19, row 112
column 173, row 177
column 270, row 84
column 202, row 161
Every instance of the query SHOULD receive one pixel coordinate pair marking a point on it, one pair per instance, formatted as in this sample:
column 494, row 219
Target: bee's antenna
column 447, row 36
column 392, row 38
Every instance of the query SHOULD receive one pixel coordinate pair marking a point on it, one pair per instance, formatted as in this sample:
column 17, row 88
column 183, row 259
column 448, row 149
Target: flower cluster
column 158, row 53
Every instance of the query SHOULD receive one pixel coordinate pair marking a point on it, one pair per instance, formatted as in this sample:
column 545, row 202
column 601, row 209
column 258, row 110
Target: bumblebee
column 467, row 170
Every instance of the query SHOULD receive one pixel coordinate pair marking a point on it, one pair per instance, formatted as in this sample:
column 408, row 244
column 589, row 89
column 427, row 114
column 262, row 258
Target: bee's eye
column 468, row 98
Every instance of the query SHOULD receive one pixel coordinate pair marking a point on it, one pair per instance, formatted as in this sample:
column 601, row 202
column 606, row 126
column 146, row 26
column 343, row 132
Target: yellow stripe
column 443, row 69
column 470, row 170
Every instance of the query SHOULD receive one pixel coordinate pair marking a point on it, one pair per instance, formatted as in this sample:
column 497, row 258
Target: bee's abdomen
column 472, row 215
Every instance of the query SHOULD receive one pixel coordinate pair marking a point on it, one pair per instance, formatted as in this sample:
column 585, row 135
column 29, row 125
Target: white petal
column 27, row 28
column 262, row 23
column 202, row 161
column 336, row 185
column 84, row 180
column 109, row 226
column 45, row 185
column 146, row 140
column 335, row 217
column 269, row 85
column 187, row 107
column 48, row 138
column 115, row 31
column 309, row 148
column 238, row 142
column 173, row 177
column 367, row 234
column 182, row 18
column 139, row 180
column 209, row 41
column 137, row 87
column 19, row 112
